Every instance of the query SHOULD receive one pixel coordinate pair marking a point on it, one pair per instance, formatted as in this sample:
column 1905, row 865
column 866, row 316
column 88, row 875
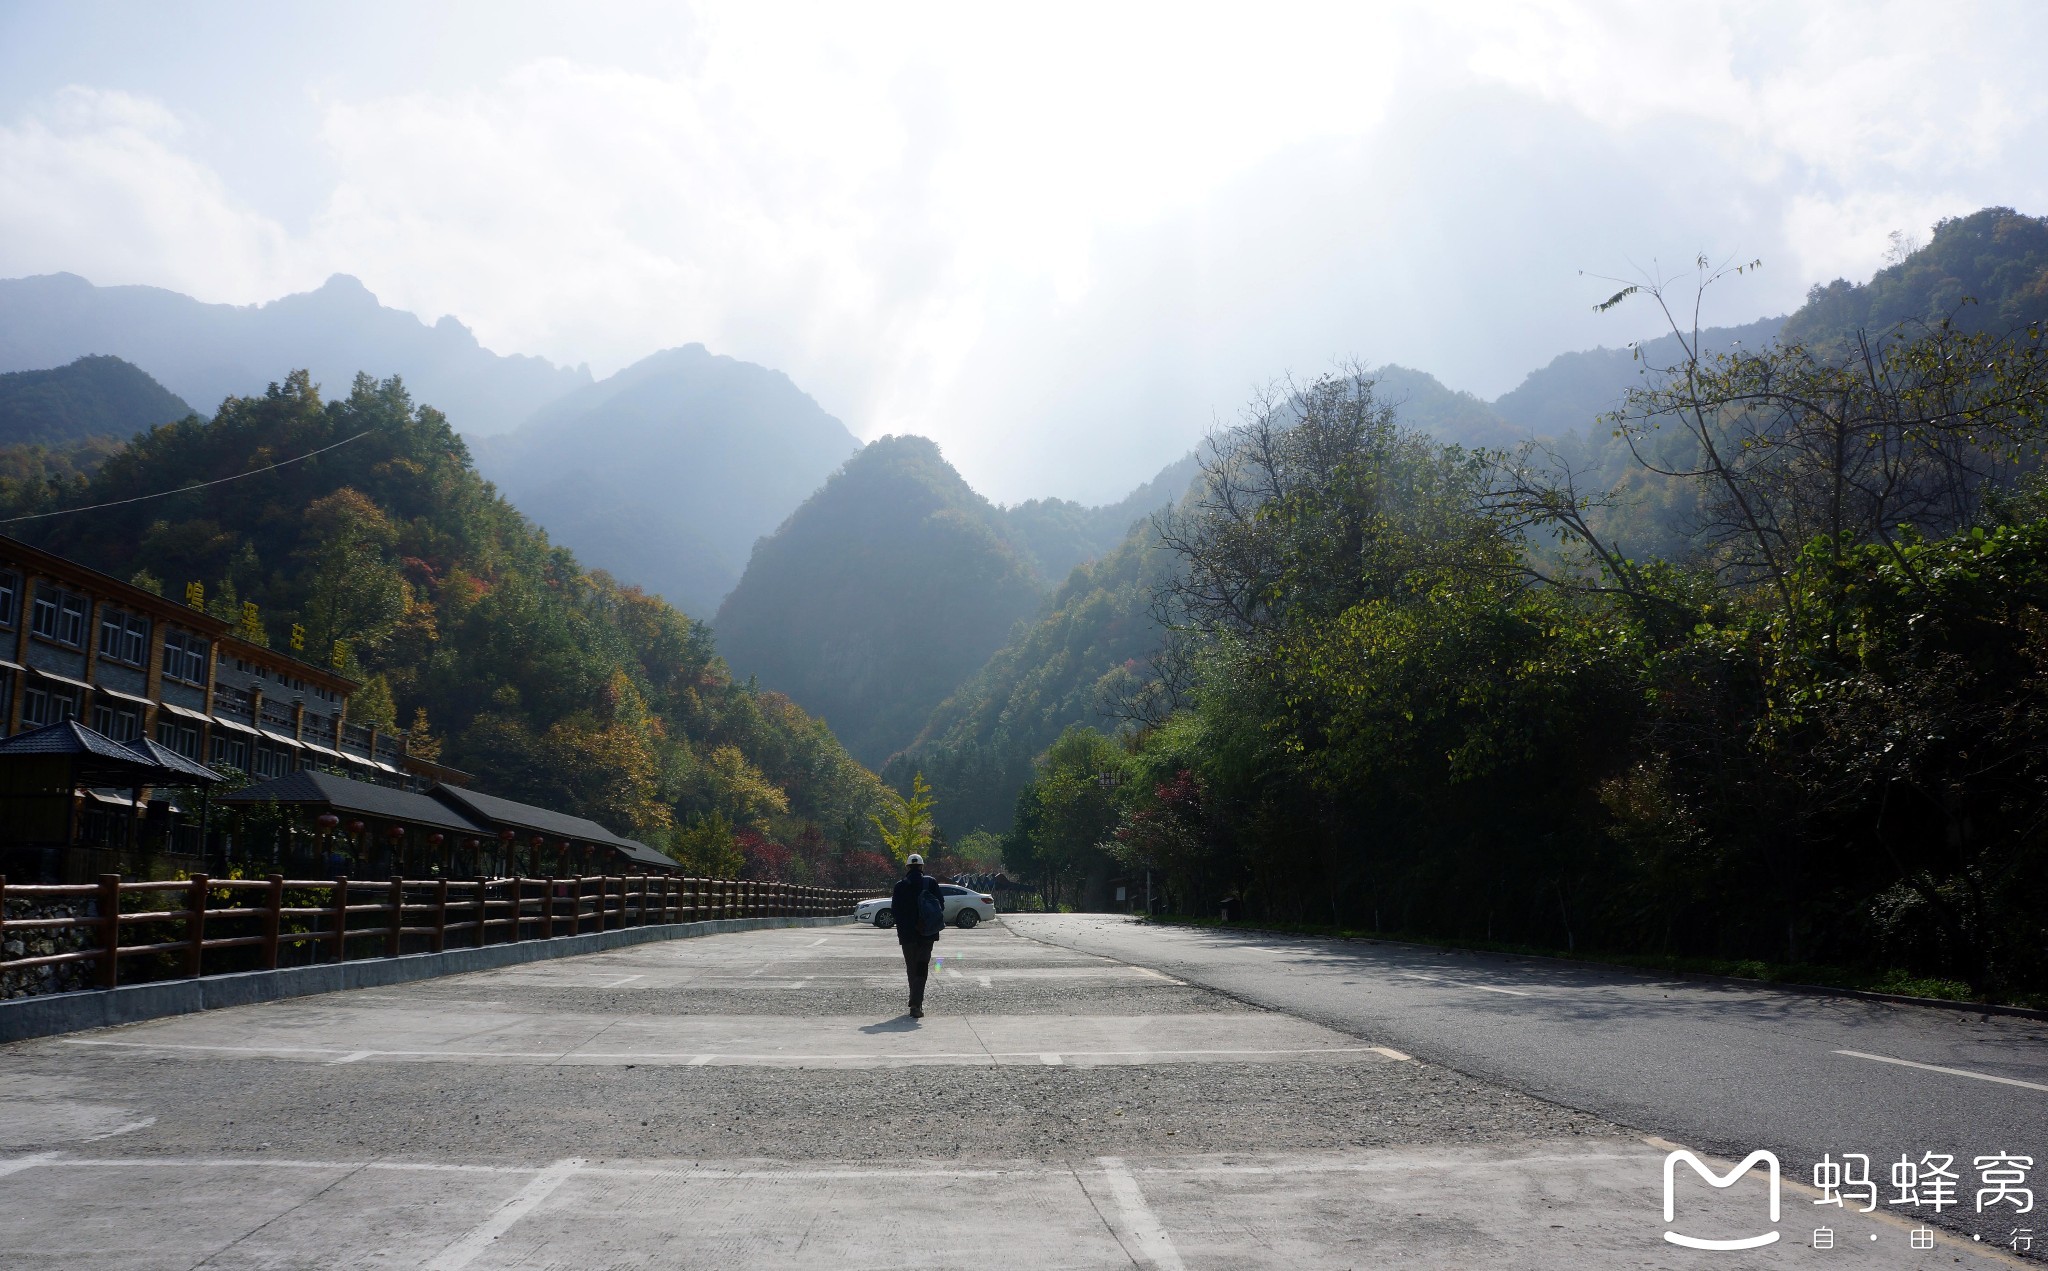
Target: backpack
column 931, row 910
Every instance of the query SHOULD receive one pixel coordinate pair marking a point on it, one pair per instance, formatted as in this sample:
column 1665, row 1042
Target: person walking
column 920, row 912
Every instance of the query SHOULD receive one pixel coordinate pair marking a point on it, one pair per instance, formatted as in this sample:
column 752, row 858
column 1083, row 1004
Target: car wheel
column 885, row 918
column 968, row 918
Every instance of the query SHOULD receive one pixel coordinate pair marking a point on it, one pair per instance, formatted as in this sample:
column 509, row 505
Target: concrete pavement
column 760, row 1099
column 1720, row 1066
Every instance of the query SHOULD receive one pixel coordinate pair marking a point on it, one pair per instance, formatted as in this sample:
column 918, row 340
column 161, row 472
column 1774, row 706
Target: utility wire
column 165, row 494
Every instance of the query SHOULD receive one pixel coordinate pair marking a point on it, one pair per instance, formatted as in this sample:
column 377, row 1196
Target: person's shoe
column 917, row 1012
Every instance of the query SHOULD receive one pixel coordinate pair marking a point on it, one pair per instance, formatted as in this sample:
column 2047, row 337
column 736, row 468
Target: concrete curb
column 45, row 1016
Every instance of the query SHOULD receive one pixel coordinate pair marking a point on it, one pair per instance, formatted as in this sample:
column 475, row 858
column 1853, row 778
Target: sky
column 1063, row 241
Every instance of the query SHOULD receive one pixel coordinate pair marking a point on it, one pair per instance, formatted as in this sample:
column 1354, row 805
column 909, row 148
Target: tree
column 353, row 592
column 905, row 822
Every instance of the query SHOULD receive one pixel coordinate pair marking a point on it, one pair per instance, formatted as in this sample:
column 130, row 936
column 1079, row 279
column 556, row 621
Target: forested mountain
column 391, row 555
column 1069, row 667
column 667, row 472
column 977, row 747
column 1060, row 534
column 1987, row 271
column 1571, row 392
column 207, row 352
column 93, row 397
column 1448, row 415
column 880, row 595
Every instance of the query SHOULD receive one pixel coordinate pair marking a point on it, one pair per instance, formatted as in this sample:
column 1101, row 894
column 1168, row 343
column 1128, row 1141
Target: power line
column 165, row 494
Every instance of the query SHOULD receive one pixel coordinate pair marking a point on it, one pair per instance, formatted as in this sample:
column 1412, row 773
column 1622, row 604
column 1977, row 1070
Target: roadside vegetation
column 1406, row 687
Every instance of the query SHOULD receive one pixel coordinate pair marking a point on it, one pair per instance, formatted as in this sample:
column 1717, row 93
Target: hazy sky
column 1063, row 241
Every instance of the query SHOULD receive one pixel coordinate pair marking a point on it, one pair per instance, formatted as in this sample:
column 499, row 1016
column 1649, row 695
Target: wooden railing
column 338, row 918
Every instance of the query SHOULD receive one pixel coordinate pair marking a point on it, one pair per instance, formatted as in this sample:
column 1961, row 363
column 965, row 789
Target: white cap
column 915, row 859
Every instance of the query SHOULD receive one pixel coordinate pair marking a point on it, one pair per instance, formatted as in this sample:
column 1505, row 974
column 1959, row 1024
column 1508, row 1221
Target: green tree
column 905, row 821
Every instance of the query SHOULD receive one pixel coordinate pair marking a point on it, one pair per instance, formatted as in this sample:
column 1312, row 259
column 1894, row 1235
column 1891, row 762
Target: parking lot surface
column 762, row 1099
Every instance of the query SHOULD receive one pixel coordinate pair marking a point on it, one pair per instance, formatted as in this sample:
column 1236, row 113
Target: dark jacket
column 903, row 903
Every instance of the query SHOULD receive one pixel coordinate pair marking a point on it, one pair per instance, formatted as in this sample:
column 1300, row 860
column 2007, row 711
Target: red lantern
column 434, row 840
column 540, row 840
column 328, row 821
column 395, row 833
column 506, row 836
column 355, row 827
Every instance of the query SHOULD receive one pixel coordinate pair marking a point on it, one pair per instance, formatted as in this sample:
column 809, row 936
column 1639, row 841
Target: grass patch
column 1893, row 981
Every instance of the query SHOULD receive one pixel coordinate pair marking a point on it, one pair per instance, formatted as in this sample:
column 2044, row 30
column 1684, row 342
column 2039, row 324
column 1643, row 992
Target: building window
column 231, row 752
column 124, row 637
column 59, row 616
column 185, row 657
column 182, row 738
column 10, row 598
column 122, row 723
column 40, row 706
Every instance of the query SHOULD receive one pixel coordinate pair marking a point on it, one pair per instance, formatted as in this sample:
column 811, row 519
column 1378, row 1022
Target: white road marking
column 20, row 1163
column 815, row 943
column 465, row 1250
column 1399, row 1163
column 129, row 1128
column 1051, row 1061
column 1154, row 1245
column 628, row 980
column 354, row 1056
column 1953, row 1072
column 1463, row 984
column 1390, row 1053
column 699, row 1058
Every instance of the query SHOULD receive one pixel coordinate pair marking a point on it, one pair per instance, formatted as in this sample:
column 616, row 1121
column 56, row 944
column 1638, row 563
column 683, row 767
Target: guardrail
column 427, row 912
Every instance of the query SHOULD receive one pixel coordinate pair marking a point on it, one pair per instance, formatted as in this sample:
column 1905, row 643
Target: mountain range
column 872, row 585
column 665, row 473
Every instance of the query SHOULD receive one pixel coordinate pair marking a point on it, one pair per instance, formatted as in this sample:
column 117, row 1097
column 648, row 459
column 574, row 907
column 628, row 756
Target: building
column 341, row 826
column 128, row 663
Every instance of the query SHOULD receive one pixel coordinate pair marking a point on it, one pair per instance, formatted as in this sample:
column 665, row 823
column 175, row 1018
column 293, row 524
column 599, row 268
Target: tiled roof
column 359, row 797
column 99, row 759
column 164, row 755
column 525, row 816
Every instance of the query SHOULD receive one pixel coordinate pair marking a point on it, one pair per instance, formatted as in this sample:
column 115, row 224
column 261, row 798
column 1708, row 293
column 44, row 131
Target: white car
column 964, row 908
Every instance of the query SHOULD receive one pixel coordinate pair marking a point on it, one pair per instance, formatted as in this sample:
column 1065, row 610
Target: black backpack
column 931, row 910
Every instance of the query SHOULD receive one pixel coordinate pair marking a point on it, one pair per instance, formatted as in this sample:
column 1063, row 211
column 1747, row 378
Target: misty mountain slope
column 1094, row 638
column 1423, row 402
column 1061, row 534
column 207, row 352
column 667, row 472
column 92, row 397
column 876, row 598
column 1570, row 393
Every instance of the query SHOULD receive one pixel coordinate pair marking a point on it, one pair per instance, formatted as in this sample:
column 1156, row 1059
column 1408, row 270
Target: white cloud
column 1062, row 239
column 96, row 182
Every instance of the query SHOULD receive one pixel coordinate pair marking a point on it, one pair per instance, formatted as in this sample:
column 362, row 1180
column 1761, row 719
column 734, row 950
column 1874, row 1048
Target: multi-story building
column 79, row 644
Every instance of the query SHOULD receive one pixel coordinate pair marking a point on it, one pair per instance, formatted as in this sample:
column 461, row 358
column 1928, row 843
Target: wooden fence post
column 273, row 921
column 341, row 918
column 440, row 914
column 391, row 936
column 547, row 908
column 518, row 902
column 575, row 886
column 195, row 924
column 604, row 889
column 110, row 930
column 483, row 909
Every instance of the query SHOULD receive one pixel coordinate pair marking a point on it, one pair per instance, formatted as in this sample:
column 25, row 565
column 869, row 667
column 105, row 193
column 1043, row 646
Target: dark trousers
column 917, row 964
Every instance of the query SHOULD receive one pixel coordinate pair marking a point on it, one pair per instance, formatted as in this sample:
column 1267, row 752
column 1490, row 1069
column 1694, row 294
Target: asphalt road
column 761, row 1099
column 1721, row 1066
